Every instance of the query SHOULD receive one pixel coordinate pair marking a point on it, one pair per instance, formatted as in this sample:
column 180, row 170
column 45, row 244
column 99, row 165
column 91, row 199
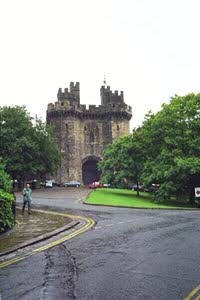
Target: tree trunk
column 138, row 192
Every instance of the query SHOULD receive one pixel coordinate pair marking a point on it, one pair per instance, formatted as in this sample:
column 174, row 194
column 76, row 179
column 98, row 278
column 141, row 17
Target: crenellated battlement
column 107, row 96
column 71, row 94
column 112, row 103
column 68, row 106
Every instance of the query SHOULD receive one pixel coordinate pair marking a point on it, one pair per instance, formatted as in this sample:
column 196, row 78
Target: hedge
column 7, row 211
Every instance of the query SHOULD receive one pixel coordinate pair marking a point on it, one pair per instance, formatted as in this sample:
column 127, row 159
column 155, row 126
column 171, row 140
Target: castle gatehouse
column 83, row 133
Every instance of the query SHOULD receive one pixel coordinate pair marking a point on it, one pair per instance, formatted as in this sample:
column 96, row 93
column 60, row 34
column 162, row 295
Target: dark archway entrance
column 90, row 171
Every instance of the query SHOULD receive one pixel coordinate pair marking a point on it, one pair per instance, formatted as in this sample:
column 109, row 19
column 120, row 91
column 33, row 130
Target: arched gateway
column 90, row 171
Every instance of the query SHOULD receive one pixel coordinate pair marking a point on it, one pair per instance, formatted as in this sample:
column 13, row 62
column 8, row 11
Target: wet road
column 129, row 254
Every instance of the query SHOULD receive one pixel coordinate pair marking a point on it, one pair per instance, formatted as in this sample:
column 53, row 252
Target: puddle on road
column 30, row 226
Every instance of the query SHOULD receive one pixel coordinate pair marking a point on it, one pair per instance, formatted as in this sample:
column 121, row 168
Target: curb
column 81, row 200
column 41, row 238
column 149, row 208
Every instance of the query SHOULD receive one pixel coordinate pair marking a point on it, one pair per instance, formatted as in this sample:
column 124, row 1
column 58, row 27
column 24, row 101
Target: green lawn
column 120, row 197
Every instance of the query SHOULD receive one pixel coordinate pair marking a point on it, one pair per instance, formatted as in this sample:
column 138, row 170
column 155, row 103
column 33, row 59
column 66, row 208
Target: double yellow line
column 193, row 294
column 89, row 223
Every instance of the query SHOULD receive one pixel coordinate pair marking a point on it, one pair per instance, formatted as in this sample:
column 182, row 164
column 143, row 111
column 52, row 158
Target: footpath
column 32, row 228
column 42, row 225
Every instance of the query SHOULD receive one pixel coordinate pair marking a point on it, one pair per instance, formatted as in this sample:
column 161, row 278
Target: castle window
column 118, row 128
column 67, row 128
column 62, row 104
column 85, row 128
column 91, row 137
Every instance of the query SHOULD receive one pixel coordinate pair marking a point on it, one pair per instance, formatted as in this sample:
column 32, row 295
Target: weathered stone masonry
column 82, row 134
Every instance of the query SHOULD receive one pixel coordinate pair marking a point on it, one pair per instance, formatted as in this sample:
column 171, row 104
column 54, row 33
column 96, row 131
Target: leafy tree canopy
column 173, row 145
column 123, row 160
column 27, row 147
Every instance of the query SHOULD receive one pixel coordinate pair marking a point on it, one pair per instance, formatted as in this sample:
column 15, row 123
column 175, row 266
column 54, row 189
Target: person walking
column 27, row 198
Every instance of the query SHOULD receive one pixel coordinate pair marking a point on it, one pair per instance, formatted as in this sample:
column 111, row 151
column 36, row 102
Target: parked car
column 55, row 183
column 154, row 187
column 72, row 183
column 107, row 185
column 34, row 183
column 150, row 189
column 48, row 184
column 95, row 185
column 139, row 187
column 128, row 186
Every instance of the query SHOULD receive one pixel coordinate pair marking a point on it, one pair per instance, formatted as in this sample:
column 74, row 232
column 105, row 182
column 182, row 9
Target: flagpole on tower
column 104, row 80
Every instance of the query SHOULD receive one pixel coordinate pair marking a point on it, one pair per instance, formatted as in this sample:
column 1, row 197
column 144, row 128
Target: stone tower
column 82, row 134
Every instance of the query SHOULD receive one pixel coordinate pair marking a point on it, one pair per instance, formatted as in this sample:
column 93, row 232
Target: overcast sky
column 150, row 49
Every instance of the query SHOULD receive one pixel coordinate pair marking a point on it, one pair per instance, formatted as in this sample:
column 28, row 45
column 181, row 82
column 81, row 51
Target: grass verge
column 120, row 197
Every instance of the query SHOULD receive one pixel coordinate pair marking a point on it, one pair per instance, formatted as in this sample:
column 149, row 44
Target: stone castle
column 83, row 133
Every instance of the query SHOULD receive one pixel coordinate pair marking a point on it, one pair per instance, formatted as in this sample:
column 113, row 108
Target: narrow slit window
column 91, row 137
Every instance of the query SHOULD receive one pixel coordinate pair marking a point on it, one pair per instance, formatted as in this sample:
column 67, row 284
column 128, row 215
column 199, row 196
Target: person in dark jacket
column 27, row 198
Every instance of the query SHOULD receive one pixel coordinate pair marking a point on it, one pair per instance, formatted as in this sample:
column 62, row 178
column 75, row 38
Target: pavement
column 32, row 229
column 128, row 254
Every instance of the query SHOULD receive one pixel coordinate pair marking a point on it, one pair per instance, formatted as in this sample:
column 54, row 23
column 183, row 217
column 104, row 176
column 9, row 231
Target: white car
column 49, row 183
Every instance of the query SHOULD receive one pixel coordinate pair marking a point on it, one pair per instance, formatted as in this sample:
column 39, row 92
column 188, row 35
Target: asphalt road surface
column 130, row 254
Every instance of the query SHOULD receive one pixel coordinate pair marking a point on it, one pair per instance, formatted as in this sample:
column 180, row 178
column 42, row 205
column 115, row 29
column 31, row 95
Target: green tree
column 173, row 146
column 48, row 156
column 27, row 147
column 123, row 160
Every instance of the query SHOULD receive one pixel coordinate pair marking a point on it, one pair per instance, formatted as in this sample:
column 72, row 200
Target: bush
column 7, row 211
column 5, row 181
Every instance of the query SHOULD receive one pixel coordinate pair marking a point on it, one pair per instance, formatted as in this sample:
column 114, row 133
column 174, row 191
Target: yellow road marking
column 192, row 293
column 89, row 224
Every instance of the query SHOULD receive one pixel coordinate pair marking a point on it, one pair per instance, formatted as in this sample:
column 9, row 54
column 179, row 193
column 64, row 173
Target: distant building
column 82, row 134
